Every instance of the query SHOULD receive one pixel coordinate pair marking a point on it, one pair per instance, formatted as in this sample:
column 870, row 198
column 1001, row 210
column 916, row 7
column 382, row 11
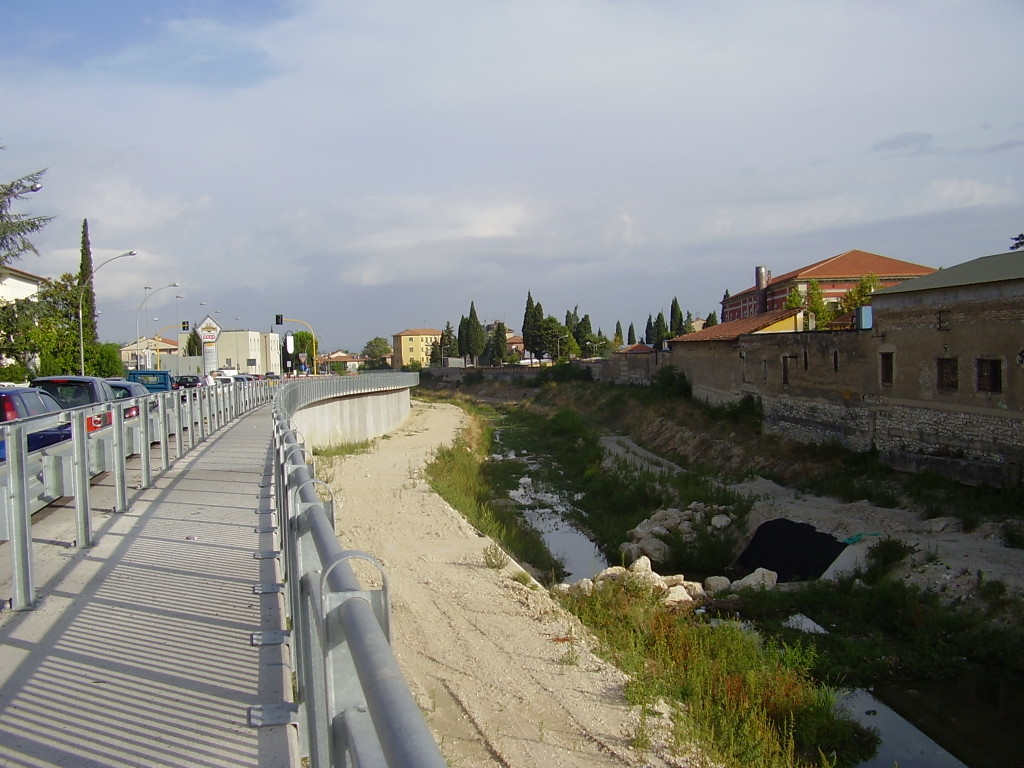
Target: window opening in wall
column 805, row 359
column 835, row 360
column 947, row 373
column 885, row 365
column 990, row 375
column 785, row 371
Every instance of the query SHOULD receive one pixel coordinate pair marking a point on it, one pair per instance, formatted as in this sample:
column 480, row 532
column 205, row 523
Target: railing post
column 80, row 473
column 120, row 466
column 21, row 518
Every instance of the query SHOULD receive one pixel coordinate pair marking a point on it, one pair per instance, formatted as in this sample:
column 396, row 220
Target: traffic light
column 278, row 319
column 184, row 325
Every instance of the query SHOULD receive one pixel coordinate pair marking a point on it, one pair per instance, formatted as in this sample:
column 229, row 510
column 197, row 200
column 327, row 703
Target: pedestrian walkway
column 139, row 650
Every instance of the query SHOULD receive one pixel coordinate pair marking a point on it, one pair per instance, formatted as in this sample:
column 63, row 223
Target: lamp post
column 142, row 306
column 558, row 347
column 81, row 299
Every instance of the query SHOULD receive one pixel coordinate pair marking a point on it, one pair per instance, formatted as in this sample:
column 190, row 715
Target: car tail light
column 10, row 410
column 96, row 422
column 131, row 412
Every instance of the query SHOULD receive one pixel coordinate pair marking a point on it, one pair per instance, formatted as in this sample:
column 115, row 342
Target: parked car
column 187, row 381
column 76, row 391
column 22, row 402
column 124, row 390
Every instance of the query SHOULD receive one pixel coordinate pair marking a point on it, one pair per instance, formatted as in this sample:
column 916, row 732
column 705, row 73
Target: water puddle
column 545, row 511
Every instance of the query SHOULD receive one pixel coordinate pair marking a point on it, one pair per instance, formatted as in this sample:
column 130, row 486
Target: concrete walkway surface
column 138, row 652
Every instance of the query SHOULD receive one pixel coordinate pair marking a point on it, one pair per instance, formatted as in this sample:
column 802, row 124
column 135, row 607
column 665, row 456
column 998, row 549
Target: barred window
column 885, row 367
column 990, row 375
column 947, row 373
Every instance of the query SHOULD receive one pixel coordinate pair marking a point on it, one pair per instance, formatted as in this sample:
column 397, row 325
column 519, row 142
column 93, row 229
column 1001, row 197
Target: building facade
column 412, row 347
column 834, row 276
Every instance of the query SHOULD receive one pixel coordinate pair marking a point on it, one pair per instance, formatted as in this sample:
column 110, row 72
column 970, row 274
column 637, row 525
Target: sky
column 370, row 167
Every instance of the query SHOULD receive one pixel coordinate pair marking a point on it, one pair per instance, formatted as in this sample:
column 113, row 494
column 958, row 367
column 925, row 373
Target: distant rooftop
column 987, row 269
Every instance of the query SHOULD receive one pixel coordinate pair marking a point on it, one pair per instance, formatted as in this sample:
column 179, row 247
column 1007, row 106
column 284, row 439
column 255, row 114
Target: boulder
column 761, row 578
column 715, row 584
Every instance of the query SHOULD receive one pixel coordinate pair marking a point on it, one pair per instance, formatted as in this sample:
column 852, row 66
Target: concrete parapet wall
column 352, row 418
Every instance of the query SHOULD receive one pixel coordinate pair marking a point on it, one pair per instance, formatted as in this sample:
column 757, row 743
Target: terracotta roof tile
column 851, row 265
column 733, row 330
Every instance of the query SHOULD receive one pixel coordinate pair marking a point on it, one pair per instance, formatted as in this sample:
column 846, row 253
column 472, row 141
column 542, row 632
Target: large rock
column 761, row 578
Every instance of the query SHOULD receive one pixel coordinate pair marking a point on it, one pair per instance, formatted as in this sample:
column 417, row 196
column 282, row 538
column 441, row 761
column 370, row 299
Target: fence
column 176, row 420
column 354, row 705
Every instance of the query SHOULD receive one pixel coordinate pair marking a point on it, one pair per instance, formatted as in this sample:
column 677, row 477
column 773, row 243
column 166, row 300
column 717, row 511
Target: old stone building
column 932, row 379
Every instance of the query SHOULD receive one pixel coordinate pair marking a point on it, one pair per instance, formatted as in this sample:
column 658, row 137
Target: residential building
column 412, row 346
column 834, row 276
column 145, row 352
column 17, row 283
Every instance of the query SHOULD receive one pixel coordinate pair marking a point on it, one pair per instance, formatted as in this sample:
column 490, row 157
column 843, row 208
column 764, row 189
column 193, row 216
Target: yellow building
column 413, row 346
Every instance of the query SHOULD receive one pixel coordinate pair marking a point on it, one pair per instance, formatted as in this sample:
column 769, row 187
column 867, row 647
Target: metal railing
column 174, row 421
column 354, row 705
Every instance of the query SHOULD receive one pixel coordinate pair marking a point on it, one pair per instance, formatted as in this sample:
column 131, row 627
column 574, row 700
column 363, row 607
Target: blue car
column 22, row 402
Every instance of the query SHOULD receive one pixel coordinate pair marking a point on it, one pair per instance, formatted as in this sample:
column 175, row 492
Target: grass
column 345, row 449
column 746, row 701
column 456, row 474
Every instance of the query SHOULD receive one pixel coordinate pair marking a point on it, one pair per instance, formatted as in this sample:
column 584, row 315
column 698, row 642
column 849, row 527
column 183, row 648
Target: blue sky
column 372, row 167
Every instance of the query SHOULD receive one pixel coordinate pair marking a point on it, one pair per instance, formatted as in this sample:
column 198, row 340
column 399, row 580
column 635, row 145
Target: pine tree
column 649, row 331
column 618, row 339
column 631, row 338
column 711, row 319
column 660, row 330
column 15, row 228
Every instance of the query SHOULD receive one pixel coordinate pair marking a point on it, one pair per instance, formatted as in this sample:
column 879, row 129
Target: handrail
column 355, row 706
column 31, row 481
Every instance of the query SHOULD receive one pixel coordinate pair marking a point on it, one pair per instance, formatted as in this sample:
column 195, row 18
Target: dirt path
column 487, row 657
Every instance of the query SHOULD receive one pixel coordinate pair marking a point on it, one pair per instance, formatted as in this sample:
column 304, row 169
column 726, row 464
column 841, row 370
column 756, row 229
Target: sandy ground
column 506, row 677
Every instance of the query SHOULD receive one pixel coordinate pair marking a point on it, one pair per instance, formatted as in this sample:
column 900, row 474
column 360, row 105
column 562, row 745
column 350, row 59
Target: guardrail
column 354, row 705
column 176, row 420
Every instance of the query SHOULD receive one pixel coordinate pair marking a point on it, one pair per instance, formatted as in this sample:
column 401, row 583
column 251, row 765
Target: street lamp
column 558, row 347
column 81, row 298
column 142, row 306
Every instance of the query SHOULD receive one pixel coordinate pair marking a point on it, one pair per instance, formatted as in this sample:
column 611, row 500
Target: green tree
column 87, row 297
column 194, row 344
column 107, row 360
column 376, row 352
column 532, row 318
column 631, row 337
column 815, row 303
column 16, row 228
column 495, row 350
column 688, row 323
column 583, row 332
column 649, row 330
column 711, row 319
column 860, row 294
column 476, row 337
column 554, row 340
column 1017, row 242
column 449, row 342
column 794, row 299
column 660, row 330
column 617, row 340
column 676, row 318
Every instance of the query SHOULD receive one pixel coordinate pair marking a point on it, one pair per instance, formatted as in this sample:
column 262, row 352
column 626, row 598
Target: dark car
column 22, row 402
column 76, row 391
column 124, row 390
column 188, row 381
